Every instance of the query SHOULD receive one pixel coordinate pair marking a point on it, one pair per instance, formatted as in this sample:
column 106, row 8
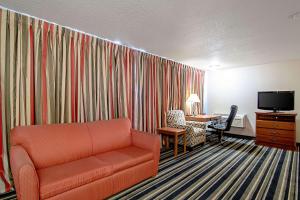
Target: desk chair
column 220, row 127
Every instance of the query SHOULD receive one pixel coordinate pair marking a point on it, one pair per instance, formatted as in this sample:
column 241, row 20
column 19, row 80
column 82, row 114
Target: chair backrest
column 175, row 117
column 233, row 111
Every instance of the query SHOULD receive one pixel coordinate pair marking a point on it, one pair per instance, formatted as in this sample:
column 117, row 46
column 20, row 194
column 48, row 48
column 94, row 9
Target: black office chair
column 220, row 127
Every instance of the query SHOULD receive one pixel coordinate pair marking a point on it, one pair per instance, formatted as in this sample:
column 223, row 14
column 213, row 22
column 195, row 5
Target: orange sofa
column 81, row 161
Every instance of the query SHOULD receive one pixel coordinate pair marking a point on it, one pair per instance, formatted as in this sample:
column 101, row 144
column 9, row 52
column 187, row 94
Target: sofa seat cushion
column 61, row 178
column 126, row 157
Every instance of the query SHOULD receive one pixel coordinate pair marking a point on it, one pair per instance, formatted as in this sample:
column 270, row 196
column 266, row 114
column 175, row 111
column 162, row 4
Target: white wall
column 240, row 86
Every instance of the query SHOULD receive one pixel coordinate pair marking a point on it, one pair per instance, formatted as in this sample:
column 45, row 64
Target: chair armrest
column 150, row 142
column 24, row 174
column 188, row 128
column 221, row 126
column 197, row 124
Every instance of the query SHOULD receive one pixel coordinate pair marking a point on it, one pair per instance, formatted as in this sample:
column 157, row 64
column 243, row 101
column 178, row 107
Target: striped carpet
column 235, row 169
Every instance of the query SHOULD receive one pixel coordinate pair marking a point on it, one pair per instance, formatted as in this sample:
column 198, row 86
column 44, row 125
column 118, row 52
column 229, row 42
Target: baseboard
column 240, row 136
column 249, row 137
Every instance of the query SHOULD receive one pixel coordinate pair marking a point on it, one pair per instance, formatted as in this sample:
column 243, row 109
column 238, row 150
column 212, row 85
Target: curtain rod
column 101, row 38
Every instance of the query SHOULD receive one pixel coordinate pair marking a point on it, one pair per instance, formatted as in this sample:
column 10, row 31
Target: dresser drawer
column 283, row 118
column 276, row 133
column 275, row 125
column 274, row 140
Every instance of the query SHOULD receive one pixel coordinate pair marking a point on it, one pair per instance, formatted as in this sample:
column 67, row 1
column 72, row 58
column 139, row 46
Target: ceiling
column 201, row 33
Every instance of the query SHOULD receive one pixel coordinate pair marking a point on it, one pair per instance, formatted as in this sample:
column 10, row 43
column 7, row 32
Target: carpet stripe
column 234, row 181
column 251, row 178
column 297, row 176
column 288, row 195
column 265, row 178
column 229, row 175
column 272, row 187
column 241, row 170
column 283, row 177
column 178, row 174
column 167, row 175
column 204, row 190
column 268, row 182
column 178, row 185
column 162, row 172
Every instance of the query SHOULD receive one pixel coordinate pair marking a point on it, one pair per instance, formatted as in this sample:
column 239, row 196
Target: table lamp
column 193, row 98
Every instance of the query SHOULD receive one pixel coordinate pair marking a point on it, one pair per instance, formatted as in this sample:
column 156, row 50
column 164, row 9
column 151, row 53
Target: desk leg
column 184, row 142
column 167, row 142
column 176, row 145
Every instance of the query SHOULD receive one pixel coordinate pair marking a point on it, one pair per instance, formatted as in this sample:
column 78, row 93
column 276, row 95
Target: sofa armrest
column 150, row 142
column 24, row 174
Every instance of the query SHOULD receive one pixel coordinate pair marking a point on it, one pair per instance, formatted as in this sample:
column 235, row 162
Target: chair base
column 220, row 134
column 190, row 148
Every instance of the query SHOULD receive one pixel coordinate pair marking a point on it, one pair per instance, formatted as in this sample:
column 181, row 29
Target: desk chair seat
column 195, row 131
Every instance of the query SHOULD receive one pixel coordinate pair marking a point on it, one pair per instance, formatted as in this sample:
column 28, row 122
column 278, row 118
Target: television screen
column 276, row 100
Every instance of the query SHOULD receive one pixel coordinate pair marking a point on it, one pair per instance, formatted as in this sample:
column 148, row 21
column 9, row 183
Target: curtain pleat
column 50, row 74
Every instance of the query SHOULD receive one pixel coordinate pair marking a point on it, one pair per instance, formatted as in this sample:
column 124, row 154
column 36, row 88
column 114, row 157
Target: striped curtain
column 50, row 74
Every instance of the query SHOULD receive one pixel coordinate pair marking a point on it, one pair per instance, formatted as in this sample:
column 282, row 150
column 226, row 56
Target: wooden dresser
column 276, row 129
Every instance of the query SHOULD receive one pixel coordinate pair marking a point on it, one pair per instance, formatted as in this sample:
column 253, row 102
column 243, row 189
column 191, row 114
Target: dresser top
column 277, row 113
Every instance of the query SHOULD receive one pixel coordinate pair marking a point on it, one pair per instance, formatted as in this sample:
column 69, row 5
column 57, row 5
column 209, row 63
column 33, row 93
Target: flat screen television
column 276, row 100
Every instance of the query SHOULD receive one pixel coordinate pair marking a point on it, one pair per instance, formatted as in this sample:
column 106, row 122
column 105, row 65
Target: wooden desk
column 202, row 118
column 174, row 132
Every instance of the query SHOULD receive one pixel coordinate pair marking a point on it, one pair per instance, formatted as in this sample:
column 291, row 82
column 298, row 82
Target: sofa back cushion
column 49, row 145
column 110, row 134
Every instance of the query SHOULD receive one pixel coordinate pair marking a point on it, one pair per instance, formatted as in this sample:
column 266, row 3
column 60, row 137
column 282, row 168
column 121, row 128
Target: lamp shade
column 193, row 98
